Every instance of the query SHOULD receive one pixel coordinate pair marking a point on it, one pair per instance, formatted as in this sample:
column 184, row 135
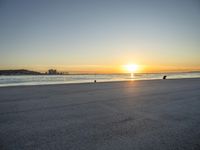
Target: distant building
column 55, row 72
column 52, row 72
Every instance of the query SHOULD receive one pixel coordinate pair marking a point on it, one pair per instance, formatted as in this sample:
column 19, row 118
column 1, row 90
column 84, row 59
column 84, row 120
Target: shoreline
column 75, row 83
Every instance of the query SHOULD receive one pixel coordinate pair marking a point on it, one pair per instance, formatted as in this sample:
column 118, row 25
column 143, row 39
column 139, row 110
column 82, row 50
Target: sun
column 131, row 68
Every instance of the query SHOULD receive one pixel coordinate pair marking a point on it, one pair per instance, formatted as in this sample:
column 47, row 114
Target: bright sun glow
column 131, row 68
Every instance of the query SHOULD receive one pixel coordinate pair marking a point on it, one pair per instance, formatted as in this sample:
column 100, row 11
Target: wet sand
column 141, row 115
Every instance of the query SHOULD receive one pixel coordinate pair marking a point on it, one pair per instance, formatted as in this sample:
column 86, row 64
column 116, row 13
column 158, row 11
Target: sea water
column 19, row 80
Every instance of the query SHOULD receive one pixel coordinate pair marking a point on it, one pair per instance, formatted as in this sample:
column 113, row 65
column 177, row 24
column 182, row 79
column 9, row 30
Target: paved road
column 140, row 115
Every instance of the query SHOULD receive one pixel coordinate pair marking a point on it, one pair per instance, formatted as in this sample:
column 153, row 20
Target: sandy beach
column 140, row 115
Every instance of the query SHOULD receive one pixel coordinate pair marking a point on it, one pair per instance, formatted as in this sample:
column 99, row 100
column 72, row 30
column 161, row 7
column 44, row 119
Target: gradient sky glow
column 100, row 35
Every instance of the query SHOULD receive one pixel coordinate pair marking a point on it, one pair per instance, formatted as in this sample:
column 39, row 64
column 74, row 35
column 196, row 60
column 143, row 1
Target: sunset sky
column 100, row 36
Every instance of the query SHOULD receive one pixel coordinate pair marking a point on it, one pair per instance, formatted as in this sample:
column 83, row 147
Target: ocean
column 20, row 80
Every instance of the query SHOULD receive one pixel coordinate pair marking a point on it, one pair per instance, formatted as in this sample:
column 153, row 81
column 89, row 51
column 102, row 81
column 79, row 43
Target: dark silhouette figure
column 95, row 81
column 164, row 77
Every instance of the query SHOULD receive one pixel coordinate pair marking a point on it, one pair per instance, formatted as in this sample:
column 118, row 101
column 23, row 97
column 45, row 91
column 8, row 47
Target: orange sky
column 108, row 68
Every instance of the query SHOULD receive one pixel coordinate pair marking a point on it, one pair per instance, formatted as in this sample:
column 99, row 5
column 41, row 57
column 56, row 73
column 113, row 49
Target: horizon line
column 104, row 73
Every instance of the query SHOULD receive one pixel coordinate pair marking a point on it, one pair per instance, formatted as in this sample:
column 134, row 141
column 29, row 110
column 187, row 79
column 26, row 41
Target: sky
column 100, row 36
